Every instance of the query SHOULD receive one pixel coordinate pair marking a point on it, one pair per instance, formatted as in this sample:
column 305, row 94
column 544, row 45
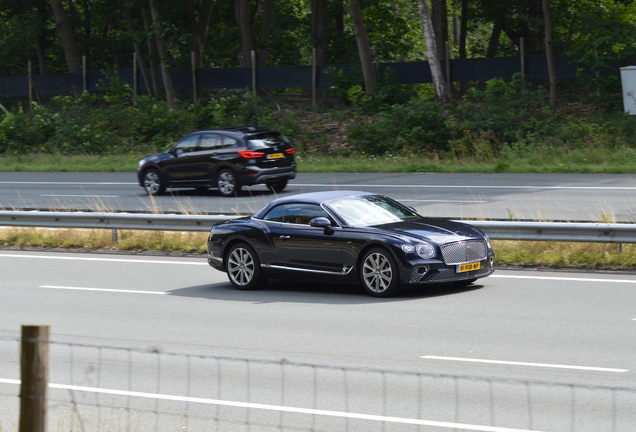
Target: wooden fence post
column 193, row 66
column 522, row 53
column 314, row 75
column 84, row 73
column 34, row 378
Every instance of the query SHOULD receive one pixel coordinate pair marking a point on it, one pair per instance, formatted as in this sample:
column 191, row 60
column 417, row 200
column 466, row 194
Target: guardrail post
column 115, row 236
column 34, row 377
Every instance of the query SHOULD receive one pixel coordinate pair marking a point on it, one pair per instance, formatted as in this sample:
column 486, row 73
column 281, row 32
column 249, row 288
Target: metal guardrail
column 496, row 230
column 558, row 231
column 115, row 221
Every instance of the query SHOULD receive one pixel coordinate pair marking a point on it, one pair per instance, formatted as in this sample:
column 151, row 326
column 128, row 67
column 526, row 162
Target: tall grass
column 508, row 253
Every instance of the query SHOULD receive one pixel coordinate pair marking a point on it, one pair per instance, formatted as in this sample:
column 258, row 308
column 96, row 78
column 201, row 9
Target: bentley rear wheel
column 243, row 267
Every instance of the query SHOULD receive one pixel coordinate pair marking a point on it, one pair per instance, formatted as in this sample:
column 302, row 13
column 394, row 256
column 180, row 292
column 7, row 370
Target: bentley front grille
column 464, row 252
column 449, row 275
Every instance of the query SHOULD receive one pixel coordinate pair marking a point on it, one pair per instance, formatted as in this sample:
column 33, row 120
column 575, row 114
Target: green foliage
column 418, row 125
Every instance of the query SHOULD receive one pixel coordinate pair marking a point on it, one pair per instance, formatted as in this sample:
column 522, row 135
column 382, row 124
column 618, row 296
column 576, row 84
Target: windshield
column 267, row 139
column 371, row 210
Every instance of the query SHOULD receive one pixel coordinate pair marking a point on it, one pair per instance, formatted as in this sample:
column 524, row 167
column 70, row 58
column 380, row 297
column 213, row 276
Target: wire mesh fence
column 103, row 388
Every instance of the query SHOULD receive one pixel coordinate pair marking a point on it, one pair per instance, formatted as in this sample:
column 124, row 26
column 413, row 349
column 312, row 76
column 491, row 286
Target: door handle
column 285, row 237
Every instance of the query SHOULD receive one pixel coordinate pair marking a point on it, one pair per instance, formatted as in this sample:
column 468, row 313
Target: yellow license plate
column 275, row 156
column 468, row 267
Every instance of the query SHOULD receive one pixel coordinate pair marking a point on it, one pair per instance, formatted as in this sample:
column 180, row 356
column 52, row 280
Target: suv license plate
column 468, row 267
column 275, row 156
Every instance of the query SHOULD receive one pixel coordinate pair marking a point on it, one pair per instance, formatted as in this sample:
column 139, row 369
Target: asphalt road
column 567, row 197
column 574, row 328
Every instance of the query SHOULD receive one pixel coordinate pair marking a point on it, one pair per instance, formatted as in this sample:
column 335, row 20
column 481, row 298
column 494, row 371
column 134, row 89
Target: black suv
column 222, row 158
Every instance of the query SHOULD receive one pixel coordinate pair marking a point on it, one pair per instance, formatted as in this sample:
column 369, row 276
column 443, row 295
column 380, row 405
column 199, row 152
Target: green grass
column 592, row 161
column 588, row 256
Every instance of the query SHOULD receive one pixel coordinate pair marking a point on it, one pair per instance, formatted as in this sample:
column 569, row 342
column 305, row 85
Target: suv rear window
column 264, row 140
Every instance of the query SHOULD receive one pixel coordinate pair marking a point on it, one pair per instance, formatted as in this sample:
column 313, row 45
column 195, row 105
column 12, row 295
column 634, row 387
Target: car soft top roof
column 312, row 198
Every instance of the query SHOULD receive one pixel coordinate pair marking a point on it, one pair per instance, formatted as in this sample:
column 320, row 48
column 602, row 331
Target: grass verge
column 591, row 161
column 584, row 256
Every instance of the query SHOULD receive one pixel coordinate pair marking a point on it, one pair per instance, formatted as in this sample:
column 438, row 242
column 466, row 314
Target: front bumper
column 439, row 272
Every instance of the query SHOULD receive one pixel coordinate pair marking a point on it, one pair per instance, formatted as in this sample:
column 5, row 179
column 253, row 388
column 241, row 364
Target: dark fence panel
column 224, row 78
column 474, row 69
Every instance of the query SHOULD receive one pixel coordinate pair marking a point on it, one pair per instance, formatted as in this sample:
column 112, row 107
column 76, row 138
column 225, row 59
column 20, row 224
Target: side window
column 276, row 214
column 187, row 144
column 210, row 142
column 303, row 213
column 228, row 142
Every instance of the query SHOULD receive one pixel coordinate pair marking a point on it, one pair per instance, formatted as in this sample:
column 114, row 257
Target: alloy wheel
column 241, row 267
column 377, row 273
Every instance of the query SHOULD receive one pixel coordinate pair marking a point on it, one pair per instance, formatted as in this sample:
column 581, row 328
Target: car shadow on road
column 313, row 292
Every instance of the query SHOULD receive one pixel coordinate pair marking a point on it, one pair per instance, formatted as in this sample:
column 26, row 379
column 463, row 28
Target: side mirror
column 321, row 222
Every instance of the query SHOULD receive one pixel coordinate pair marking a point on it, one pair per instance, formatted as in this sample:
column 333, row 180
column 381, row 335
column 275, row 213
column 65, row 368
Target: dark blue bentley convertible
column 348, row 237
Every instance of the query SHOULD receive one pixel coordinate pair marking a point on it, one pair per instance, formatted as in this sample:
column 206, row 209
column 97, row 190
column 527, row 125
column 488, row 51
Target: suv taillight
column 249, row 154
column 290, row 150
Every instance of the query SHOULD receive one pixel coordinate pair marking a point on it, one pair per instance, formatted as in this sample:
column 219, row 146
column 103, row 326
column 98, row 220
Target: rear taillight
column 290, row 151
column 249, row 154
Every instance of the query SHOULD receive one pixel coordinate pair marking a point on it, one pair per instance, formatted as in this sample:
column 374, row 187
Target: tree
column 200, row 32
column 548, row 50
column 319, row 39
column 266, row 25
column 242, row 13
column 431, row 47
column 368, row 70
column 163, row 55
column 66, row 35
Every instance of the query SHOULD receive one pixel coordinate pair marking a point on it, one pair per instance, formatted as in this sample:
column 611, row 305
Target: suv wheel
column 153, row 183
column 227, row 183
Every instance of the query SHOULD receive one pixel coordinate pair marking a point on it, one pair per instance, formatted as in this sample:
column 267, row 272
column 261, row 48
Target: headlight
column 141, row 163
column 425, row 250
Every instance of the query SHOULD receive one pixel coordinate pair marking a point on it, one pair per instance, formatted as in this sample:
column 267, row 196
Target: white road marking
column 571, row 279
column 101, row 289
column 281, row 408
column 145, row 261
column 513, row 363
column 358, row 185
column 80, row 196
column 430, row 186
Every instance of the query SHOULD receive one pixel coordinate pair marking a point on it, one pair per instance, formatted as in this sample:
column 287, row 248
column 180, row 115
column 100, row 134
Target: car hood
column 437, row 230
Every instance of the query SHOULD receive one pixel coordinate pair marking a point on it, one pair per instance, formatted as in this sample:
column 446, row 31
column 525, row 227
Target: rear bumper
column 259, row 176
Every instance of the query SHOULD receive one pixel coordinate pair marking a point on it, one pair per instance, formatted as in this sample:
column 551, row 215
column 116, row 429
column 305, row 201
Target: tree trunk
column 140, row 55
column 319, row 30
column 151, row 63
column 463, row 29
column 163, row 55
column 201, row 32
column 493, row 43
column 548, row 50
column 431, row 48
column 368, row 71
column 268, row 6
column 66, row 35
column 463, row 33
column 242, row 13
column 439, row 18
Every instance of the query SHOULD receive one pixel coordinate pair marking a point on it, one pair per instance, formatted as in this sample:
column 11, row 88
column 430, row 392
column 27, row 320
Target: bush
column 415, row 126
